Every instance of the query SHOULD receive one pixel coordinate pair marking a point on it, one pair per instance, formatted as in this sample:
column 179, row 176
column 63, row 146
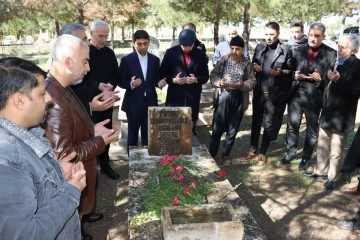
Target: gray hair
column 318, row 25
column 64, row 47
column 96, row 23
column 354, row 42
column 71, row 28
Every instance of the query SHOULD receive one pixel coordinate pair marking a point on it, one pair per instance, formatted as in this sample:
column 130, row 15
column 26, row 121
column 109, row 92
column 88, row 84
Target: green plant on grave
column 176, row 181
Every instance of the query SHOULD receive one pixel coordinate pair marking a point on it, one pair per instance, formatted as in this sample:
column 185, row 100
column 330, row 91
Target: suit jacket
column 326, row 57
column 279, row 87
column 187, row 94
column 69, row 128
column 133, row 99
column 341, row 98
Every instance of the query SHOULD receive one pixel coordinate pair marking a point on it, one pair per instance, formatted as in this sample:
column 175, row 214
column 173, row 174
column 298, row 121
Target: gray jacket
column 35, row 200
column 218, row 71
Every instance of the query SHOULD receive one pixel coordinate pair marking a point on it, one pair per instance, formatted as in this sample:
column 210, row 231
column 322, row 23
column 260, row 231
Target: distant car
column 351, row 30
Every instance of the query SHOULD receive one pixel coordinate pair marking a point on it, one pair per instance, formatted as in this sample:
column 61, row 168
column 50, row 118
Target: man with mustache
column 69, row 127
column 273, row 66
column 39, row 195
column 311, row 63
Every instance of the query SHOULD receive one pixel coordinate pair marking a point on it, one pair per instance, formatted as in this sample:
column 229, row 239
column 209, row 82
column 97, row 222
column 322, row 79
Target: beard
column 77, row 81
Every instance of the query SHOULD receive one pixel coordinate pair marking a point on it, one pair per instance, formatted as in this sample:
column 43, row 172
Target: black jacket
column 279, row 87
column 340, row 103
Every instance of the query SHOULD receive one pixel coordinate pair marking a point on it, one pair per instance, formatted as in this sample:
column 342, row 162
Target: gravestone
column 169, row 131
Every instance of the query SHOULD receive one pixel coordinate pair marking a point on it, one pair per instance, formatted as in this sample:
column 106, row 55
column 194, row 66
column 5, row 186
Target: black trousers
column 97, row 117
column 136, row 121
column 300, row 103
column 268, row 113
column 352, row 159
column 227, row 118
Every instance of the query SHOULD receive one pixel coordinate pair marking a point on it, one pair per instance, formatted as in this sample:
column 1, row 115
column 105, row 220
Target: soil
column 285, row 204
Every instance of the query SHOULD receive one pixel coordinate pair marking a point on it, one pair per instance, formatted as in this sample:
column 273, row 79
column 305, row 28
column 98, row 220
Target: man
column 338, row 114
column 297, row 37
column 104, row 69
column 351, row 162
column 139, row 75
column 83, row 90
column 197, row 43
column 273, row 69
column 185, row 69
column 223, row 48
column 234, row 75
column 38, row 199
column 69, row 128
column 311, row 62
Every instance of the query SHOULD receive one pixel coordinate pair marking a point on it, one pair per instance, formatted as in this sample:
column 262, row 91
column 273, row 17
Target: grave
column 236, row 216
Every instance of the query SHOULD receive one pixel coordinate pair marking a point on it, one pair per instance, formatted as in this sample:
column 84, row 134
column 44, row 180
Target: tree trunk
column 80, row 15
column 174, row 31
column 123, row 33
column 57, row 27
column 246, row 23
column 216, row 33
column 112, row 29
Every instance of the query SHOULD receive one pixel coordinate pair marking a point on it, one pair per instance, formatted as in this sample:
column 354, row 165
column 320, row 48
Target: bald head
column 70, row 60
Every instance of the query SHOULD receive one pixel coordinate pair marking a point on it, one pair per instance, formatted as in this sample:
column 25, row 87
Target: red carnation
column 175, row 201
column 222, row 173
column 193, row 184
column 179, row 168
column 186, row 191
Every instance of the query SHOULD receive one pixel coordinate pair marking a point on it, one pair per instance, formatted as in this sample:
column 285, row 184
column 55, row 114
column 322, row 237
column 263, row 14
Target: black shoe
column 85, row 236
column 314, row 175
column 194, row 131
column 110, row 172
column 304, row 164
column 351, row 224
column 287, row 159
column 330, row 185
column 92, row 217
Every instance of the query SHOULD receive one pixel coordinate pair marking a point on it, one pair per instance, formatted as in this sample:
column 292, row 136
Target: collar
column 34, row 137
column 140, row 56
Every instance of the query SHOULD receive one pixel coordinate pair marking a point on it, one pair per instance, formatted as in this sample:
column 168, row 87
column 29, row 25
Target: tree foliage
column 212, row 11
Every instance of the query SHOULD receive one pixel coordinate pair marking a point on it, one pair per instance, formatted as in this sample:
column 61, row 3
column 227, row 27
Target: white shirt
column 143, row 63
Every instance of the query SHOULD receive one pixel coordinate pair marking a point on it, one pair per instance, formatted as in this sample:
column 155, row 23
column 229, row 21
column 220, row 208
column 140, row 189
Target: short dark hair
column 141, row 34
column 273, row 25
column 14, row 79
column 297, row 23
column 22, row 64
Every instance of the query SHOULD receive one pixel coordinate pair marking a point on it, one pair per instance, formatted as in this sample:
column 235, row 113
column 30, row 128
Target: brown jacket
column 69, row 128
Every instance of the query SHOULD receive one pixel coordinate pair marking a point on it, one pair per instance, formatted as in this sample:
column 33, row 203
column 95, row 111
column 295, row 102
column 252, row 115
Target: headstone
column 169, row 131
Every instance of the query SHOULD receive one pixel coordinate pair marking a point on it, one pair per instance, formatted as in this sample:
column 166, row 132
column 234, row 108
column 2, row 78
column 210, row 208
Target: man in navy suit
column 185, row 69
column 139, row 75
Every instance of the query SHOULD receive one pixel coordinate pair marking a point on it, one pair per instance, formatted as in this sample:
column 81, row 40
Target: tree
column 170, row 17
column 211, row 11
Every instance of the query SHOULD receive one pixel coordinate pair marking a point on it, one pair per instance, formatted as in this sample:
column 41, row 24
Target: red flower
column 179, row 168
column 181, row 177
column 222, row 173
column 173, row 171
column 175, row 201
column 186, row 191
column 164, row 162
column 193, row 184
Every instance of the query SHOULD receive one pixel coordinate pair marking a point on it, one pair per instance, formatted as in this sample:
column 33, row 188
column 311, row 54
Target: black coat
column 340, row 104
column 279, row 87
column 326, row 57
column 187, row 94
